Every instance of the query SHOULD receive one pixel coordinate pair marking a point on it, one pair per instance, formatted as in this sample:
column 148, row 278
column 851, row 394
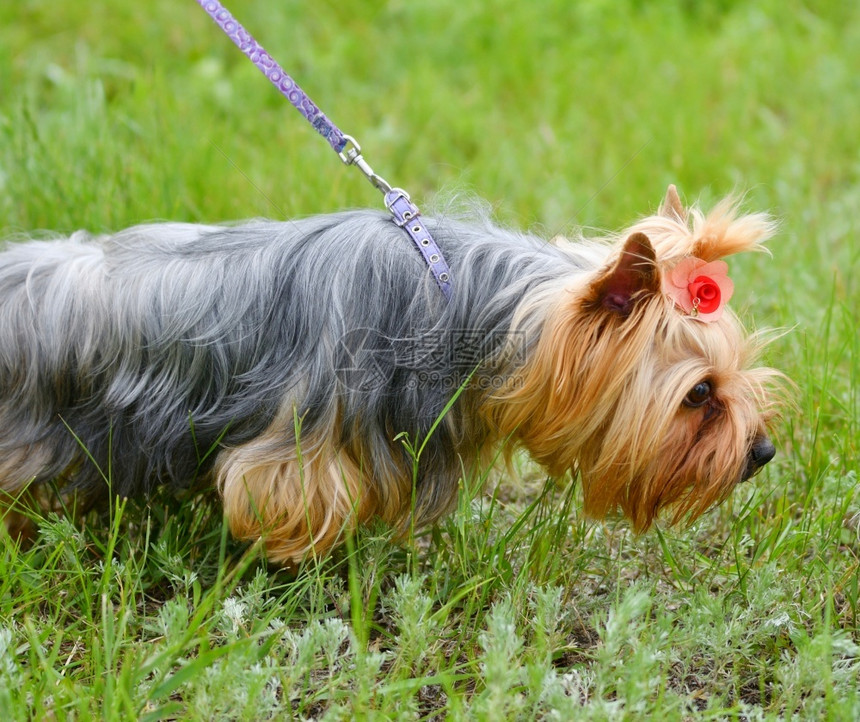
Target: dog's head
column 643, row 379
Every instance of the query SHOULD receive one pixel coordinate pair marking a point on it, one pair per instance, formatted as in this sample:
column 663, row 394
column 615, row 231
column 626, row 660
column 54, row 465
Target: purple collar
column 408, row 217
column 405, row 212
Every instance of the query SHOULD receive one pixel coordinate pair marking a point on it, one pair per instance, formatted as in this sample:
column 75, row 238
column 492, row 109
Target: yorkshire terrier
column 303, row 354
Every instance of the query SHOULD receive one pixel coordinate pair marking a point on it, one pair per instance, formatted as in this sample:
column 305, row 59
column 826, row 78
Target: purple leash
column 405, row 212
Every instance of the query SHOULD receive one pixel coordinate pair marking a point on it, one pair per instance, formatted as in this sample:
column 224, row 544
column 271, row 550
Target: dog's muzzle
column 761, row 451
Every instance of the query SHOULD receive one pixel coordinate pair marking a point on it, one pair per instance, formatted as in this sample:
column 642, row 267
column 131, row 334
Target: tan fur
column 603, row 392
column 18, row 501
column 16, row 511
column 722, row 232
column 20, row 465
column 22, row 505
column 299, row 495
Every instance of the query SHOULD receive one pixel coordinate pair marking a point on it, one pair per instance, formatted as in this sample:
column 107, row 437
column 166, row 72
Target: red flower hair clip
column 699, row 288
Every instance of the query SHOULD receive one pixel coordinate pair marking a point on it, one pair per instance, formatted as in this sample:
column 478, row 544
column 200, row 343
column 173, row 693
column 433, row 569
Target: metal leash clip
column 351, row 155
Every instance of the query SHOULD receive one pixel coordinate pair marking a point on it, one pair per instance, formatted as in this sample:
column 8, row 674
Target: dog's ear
column 634, row 276
column 671, row 207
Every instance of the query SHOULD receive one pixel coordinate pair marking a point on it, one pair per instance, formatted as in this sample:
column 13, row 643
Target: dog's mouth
column 761, row 452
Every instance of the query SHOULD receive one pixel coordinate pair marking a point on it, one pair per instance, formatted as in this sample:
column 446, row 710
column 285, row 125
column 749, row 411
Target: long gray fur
column 151, row 346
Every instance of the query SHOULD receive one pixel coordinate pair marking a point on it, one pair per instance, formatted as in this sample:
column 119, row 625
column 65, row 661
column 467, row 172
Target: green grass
column 561, row 115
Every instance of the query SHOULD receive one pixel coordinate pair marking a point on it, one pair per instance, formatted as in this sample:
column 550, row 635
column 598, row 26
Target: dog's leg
column 18, row 502
column 16, row 511
column 300, row 499
column 24, row 469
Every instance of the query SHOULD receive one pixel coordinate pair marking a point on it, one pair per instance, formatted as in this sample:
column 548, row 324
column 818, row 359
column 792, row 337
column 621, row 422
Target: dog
column 301, row 365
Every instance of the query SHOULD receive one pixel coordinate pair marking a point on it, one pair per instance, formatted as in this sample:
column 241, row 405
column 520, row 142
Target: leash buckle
column 351, row 155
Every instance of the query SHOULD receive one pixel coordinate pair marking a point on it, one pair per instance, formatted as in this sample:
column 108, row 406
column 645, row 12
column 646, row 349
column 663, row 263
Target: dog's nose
column 761, row 451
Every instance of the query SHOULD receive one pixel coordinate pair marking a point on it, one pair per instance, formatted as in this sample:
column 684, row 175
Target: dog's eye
column 699, row 395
